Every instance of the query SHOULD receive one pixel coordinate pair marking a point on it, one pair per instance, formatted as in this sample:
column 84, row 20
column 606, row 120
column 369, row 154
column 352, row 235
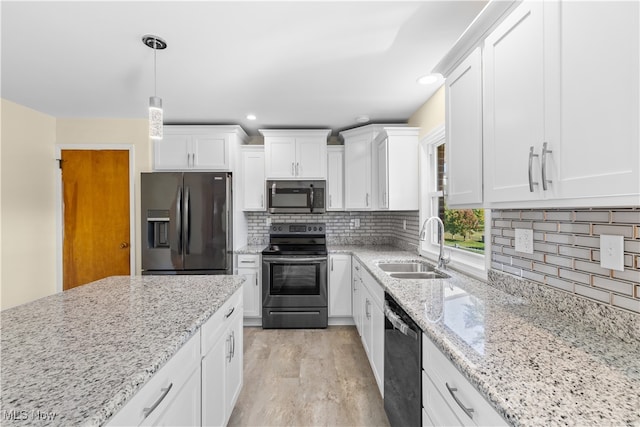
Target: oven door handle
column 296, row 259
column 397, row 323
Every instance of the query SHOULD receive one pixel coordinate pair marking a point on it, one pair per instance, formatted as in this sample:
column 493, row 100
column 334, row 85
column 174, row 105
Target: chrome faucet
column 442, row 261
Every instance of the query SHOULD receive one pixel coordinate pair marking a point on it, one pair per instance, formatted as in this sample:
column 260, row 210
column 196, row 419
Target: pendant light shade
column 155, row 103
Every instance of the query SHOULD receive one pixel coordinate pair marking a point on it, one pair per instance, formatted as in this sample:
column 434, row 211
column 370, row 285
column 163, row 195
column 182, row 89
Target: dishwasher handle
column 397, row 323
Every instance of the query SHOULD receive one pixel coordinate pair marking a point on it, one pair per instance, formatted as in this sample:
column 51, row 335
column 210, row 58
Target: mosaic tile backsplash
column 375, row 228
column 566, row 253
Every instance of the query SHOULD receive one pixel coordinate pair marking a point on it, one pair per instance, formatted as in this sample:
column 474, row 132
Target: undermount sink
column 411, row 270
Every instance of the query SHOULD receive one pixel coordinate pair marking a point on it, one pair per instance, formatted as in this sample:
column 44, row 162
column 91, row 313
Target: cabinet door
column 366, row 322
column 311, row 158
column 339, row 285
column 172, row 152
column 514, row 104
column 253, row 182
column 214, row 365
column 251, row 292
column 233, row 374
column 463, row 90
column 280, row 155
column 599, row 153
column 357, row 160
column 210, row 152
column 184, row 410
column 356, row 298
column 383, row 173
column 377, row 345
column 335, row 178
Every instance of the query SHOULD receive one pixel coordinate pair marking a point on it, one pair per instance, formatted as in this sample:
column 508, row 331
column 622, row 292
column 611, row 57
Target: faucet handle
column 446, row 258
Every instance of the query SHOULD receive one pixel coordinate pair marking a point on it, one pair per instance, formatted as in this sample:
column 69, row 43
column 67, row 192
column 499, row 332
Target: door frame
column 60, row 216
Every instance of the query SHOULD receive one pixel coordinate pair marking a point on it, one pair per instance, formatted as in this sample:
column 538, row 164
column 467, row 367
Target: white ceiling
column 292, row 64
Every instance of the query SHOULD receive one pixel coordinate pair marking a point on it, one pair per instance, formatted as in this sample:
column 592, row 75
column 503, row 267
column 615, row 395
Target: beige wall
column 28, row 218
column 28, row 202
column 430, row 115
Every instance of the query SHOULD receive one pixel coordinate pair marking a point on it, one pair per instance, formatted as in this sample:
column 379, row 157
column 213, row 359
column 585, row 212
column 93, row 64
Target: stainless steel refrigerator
column 186, row 223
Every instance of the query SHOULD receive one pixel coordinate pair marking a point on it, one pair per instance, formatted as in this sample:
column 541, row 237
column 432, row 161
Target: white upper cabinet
column 252, row 177
column 515, row 124
column 598, row 159
column 359, row 174
column 296, row 154
column 397, row 171
column 557, row 133
column 206, row 148
column 335, row 178
column 463, row 92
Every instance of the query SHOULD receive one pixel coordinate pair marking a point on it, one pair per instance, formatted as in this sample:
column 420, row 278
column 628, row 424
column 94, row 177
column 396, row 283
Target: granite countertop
column 78, row 356
column 535, row 366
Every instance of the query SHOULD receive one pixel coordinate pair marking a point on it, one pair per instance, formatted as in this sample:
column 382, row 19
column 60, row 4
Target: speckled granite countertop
column 535, row 366
column 76, row 357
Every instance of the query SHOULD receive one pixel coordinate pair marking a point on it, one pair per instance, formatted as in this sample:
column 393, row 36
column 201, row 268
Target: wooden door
column 95, row 190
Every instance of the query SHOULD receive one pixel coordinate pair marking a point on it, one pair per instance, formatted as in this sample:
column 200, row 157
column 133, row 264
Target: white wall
column 28, row 205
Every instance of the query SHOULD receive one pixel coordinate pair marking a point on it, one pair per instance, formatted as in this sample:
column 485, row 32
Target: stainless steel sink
column 398, row 267
column 419, row 275
column 411, row 270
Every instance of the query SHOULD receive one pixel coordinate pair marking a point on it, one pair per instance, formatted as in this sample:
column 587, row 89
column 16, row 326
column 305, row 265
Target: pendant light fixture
column 155, row 102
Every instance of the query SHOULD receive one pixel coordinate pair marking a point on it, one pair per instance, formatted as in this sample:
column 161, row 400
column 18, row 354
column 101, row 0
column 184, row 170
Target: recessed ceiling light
column 428, row 79
column 362, row 119
column 251, row 117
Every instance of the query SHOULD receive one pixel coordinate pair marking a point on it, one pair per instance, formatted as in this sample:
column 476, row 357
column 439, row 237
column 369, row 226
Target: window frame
column 470, row 263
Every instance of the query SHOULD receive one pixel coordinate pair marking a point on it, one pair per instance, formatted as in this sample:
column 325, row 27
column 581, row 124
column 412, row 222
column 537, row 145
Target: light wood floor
column 307, row 377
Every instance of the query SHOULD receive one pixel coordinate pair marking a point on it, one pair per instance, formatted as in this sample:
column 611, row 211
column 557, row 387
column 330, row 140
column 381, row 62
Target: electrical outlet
column 268, row 221
column 356, row 222
column 612, row 252
column 524, row 241
column 404, row 224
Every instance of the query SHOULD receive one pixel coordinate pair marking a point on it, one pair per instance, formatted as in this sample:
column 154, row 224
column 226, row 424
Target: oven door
column 294, row 281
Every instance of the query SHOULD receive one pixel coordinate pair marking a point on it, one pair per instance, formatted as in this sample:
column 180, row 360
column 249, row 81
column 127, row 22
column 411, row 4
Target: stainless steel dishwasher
column 402, row 366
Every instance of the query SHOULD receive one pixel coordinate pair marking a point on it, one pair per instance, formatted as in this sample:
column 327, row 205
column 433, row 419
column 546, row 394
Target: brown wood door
column 95, row 188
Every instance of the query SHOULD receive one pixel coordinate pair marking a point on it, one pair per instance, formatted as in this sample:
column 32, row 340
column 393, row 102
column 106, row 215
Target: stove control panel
column 298, row 229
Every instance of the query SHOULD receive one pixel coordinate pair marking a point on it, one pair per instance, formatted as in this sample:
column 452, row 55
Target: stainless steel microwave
column 300, row 197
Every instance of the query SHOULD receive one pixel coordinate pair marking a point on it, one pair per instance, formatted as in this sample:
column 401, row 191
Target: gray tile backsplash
column 376, row 228
column 567, row 251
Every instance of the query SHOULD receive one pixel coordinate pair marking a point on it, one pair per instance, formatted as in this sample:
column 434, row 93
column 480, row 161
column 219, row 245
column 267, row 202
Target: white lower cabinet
column 448, row 398
column 172, row 395
column 222, row 362
column 356, row 294
column 340, row 285
column 249, row 267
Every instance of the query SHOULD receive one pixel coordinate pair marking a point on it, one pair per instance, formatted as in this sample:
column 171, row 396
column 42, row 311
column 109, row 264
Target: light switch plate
column 524, row 240
column 268, row 221
column 612, row 252
column 356, row 222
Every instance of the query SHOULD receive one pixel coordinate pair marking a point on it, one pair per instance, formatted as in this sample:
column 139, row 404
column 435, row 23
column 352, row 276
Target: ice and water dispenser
column 158, row 228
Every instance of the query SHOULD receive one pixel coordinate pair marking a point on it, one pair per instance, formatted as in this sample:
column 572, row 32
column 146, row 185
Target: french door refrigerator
column 186, row 223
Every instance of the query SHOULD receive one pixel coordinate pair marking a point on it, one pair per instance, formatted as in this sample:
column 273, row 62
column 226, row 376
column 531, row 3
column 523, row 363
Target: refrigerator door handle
column 187, row 230
column 179, row 219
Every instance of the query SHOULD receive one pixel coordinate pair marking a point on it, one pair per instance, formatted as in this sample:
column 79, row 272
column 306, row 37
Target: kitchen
column 543, row 232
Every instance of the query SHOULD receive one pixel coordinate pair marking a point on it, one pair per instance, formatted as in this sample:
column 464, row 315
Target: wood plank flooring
column 307, row 377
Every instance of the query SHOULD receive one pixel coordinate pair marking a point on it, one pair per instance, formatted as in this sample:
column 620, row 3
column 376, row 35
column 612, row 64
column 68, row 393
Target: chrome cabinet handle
column 531, row 156
column 357, row 268
column 297, row 169
column 293, row 173
column 228, row 341
column 226, row 316
column 331, row 264
column 262, row 200
column 367, row 199
column 366, row 308
column 233, row 344
column 452, row 390
column 147, row 411
column 330, row 201
column 545, row 181
column 256, row 280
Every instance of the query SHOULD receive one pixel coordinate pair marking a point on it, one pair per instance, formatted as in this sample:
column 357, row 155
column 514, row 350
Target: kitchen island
column 77, row 357
column 534, row 365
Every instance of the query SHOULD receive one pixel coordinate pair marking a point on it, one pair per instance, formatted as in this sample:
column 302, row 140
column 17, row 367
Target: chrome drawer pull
column 226, row 316
column 147, row 411
column 452, row 390
column 545, row 181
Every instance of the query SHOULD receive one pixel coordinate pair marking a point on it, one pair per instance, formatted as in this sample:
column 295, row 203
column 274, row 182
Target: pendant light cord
column 155, row 77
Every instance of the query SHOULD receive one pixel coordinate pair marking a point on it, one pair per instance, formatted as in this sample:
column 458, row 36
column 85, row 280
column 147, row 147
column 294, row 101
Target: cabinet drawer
column 172, row 376
column 217, row 324
column 436, row 409
column 445, row 377
column 375, row 289
column 248, row 261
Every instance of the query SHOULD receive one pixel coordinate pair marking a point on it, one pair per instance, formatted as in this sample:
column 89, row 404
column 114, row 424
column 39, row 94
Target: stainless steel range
column 294, row 277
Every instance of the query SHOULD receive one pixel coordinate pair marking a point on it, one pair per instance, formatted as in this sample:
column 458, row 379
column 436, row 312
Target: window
column 464, row 228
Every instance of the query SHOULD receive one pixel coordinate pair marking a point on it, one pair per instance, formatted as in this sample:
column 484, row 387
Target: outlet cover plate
column 524, row 240
column 612, row 252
